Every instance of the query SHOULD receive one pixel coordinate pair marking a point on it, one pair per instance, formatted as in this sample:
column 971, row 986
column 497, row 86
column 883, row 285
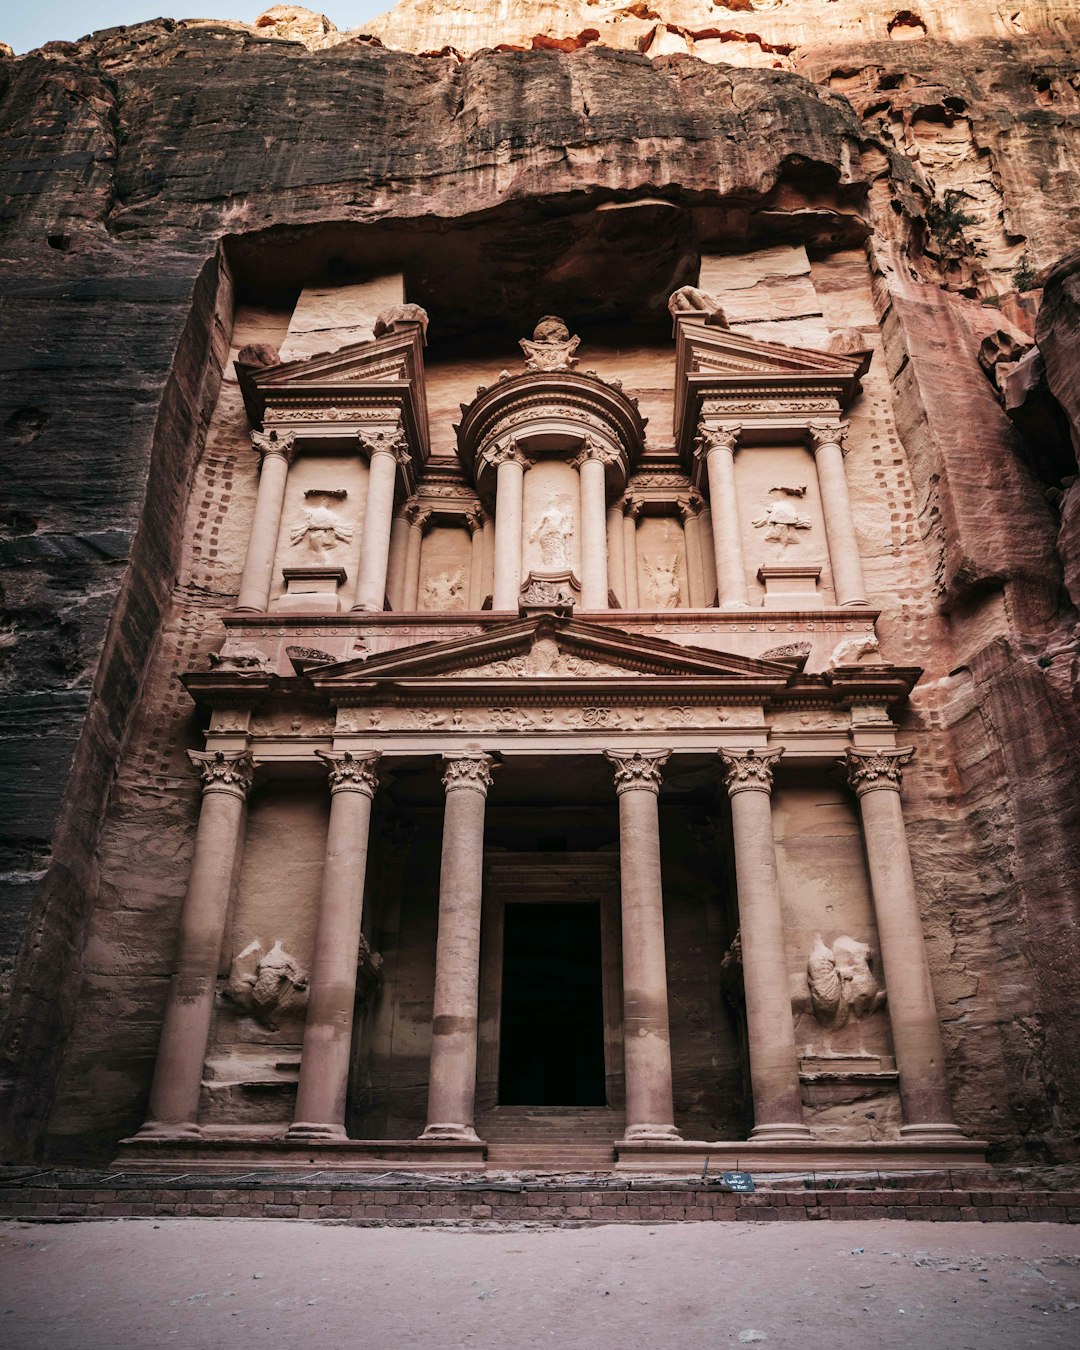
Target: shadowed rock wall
column 145, row 167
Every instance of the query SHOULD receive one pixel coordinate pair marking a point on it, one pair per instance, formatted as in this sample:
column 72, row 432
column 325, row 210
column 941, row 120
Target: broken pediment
column 384, row 376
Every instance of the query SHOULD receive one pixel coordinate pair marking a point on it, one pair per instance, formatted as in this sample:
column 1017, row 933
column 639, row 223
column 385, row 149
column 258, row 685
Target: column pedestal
column 876, row 776
column 324, row 1062
column 276, row 451
column 650, row 1110
column 174, row 1096
column 452, row 1084
column 770, row 1027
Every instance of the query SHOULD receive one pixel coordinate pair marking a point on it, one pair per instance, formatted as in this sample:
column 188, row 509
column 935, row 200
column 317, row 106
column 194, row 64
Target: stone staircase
column 555, row 1139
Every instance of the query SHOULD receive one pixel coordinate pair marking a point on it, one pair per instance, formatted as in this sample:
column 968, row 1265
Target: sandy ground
column 271, row 1283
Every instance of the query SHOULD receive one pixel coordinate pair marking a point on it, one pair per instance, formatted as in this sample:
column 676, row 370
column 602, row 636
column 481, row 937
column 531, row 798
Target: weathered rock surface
column 131, row 157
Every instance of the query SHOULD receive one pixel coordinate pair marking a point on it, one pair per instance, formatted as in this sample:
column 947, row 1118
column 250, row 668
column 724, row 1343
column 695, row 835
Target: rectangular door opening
column 551, row 1046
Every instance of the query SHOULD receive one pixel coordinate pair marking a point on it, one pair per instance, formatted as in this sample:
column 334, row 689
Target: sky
column 26, row 24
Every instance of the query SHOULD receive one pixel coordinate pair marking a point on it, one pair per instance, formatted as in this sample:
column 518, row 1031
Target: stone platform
column 401, row 1198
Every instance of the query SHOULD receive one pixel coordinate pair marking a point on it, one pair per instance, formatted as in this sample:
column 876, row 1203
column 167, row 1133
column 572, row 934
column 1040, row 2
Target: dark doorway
column 551, row 1050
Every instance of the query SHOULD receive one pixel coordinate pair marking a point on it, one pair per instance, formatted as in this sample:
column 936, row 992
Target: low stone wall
column 590, row 1200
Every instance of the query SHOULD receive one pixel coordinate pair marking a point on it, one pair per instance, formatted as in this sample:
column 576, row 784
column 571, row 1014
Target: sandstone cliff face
column 154, row 171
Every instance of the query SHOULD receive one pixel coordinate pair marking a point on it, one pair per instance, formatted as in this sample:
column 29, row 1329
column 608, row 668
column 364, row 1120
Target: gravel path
column 264, row 1283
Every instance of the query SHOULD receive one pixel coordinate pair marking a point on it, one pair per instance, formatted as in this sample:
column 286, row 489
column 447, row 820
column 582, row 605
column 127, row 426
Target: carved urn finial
column 552, row 347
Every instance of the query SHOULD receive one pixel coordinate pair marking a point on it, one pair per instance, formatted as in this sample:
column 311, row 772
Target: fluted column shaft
column 590, row 465
column 718, row 449
column 828, row 442
column 876, row 777
column 650, row 1111
column 276, row 450
column 324, row 1062
column 452, row 1082
column 510, row 466
column 385, row 453
column 770, row 1027
column 174, row 1095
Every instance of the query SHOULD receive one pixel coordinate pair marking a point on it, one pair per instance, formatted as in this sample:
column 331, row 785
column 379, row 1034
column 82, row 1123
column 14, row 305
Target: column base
column 366, row 609
column 855, row 604
column 780, row 1134
column 637, row 1134
column 460, row 1133
column 932, row 1133
column 306, row 1132
column 156, row 1129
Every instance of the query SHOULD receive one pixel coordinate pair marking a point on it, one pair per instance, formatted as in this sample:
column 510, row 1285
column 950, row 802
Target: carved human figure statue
column 552, row 532
column 842, row 982
column 781, row 523
column 266, row 984
column 444, row 592
column 322, row 529
column 662, row 574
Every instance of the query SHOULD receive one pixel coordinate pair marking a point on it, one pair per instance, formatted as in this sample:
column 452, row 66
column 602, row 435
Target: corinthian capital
column 351, row 773
column 506, row 452
column 690, row 505
column 593, row 448
column 748, row 770
column 639, row 772
column 717, row 438
column 386, row 443
column 274, row 443
column 869, row 770
column 827, row 433
column 224, row 770
column 467, row 771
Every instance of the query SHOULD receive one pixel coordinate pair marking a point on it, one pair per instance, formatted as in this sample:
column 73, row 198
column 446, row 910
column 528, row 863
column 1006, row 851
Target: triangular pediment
column 554, row 649
column 379, row 361
column 708, row 350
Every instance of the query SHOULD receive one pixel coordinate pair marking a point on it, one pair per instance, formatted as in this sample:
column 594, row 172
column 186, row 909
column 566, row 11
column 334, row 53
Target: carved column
column 418, row 519
column 591, row 466
column 384, row 455
column 616, row 546
column 276, row 451
column 174, row 1095
column 827, row 441
column 650, row 1111
column 452, row 1084
column 324, row 1062
column 632, row 507
column 876, row 776
column 489, row 559
column 510, row 464
column 717, row 448
column 690, row 510
column 399, row 548
column 475, row 522
column 708, row 556
column 770, row 1028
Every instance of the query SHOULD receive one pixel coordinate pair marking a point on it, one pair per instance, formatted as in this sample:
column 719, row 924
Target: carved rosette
column 828, row 433
column 351, row 773
column 269, row 443
column 749, row 771
column 871, row 770
column 639, row 772
column 506, row 452
column 224, row 770
column 717, row 438
column 467, row 771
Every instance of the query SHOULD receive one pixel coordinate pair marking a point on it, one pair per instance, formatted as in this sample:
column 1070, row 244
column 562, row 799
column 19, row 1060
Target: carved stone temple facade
column 535, row 732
